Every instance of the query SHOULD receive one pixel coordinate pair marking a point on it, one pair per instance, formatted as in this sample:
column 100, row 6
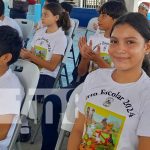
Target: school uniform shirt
column 99, row 39
column 11, row 96
column 12, row 23
column 116, row 114
column 47, row 44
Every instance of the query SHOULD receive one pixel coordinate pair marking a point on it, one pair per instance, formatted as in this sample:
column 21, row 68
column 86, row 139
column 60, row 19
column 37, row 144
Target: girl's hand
column 25, row 54
column 84, row 48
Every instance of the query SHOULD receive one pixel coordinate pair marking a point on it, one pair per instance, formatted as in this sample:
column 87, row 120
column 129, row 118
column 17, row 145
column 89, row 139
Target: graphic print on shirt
column 103, row 128
column 42, row 48
column 40, row 52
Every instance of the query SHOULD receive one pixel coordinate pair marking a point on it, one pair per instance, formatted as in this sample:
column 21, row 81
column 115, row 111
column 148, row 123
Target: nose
column 121, row 48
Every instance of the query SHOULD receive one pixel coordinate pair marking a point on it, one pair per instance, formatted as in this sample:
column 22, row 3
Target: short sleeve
column 144, row 122
column 10, row 101
column 60, row 46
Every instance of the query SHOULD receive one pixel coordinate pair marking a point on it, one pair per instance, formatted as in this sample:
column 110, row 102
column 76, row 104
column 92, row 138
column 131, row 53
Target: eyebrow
column 113, row 37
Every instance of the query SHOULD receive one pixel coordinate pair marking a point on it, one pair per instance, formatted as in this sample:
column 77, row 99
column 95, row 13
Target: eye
column 112, row 41
column 130, row 42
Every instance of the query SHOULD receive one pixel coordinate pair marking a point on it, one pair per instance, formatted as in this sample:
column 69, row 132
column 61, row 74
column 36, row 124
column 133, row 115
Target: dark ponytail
column 56, row 9
column 64, row 21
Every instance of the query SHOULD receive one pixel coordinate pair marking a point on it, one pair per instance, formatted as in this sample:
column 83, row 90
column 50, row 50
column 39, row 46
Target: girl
column 125, row 90
column 48, row 48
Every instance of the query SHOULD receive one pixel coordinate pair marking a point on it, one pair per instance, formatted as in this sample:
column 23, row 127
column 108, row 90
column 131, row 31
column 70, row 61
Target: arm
column 5, row 124
column 83, row 66
column 49, row 65
column 144, row 143
column 76, row 133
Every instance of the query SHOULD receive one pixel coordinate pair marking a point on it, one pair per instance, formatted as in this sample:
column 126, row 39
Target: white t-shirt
column 12, row 23
column 47, row 44
column 116, row 114
column 12, row 94
column 99, row 39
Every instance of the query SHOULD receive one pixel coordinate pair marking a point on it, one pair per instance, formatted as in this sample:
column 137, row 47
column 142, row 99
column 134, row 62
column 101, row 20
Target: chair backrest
column 69, row 33
column 27, row 27
column 63, row 63
column 70, row 113
column 90, row 24
column 24, row 70
column 76, row 25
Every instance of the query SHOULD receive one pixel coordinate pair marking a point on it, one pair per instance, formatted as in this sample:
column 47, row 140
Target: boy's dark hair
column 68, row 7
column 10, row 42
column 54, row 1
column 122, row 1
column 56, row 9
column 2, row 8
column 113, row 8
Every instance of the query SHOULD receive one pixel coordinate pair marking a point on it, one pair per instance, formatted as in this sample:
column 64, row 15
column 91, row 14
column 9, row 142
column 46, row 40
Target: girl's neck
column 51, row 28
column 128, row 76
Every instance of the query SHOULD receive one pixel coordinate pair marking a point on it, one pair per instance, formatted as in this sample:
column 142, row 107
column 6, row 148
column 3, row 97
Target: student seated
column 94, row 53
column 114, row 103
column 4, row 20
column 48, row 48
column 11, row 90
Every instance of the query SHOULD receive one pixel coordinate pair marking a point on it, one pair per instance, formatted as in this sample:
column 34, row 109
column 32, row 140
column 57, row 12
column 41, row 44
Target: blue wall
column 83, row 15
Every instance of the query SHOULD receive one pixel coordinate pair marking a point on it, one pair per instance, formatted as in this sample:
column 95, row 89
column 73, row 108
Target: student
column 11, row 90
column 48, row 48
column 4, row 20
column 143, row 8
column 66, row 7
column 118, row 96
column 109, row 12
column 95, row 25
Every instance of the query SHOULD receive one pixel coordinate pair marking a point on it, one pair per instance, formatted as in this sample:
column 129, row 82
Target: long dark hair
column 56, row 9
column 141, row 25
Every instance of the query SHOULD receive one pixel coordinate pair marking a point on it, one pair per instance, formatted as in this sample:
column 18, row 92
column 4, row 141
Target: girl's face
column 48, row 18
column 105, row 22
column 127, row 48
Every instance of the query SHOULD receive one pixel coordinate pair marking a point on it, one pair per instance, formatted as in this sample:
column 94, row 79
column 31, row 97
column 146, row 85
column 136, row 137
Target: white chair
column 69, row 33
column 27, row 27
column 69, row 117
column 24, row 70
column 91, row 22
column 76, row 21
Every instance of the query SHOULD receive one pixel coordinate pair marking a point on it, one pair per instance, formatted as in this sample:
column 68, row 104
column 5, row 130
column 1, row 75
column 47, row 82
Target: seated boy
column 11, row 90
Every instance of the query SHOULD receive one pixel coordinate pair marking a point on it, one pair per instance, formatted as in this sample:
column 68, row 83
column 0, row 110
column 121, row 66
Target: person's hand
column 25, row 54
column 84, row 48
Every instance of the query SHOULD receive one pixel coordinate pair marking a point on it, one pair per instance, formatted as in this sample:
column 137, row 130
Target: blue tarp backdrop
column 83, row 15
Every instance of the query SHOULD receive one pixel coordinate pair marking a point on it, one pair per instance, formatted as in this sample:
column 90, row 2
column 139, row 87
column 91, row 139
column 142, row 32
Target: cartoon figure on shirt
column 102, row 130
column 108, row 101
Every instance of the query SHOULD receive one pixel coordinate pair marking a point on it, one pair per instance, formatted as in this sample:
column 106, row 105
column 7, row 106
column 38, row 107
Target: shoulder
column 98, row 76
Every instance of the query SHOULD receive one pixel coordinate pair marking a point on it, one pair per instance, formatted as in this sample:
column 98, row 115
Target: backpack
column 21, row 6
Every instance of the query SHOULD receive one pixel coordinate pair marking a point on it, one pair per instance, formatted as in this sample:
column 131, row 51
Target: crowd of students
column 116, row 115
